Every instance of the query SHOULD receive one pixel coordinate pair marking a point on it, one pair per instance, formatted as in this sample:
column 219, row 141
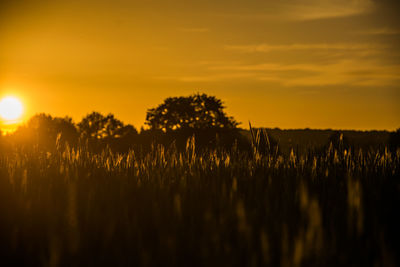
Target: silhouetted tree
column 179, row 118
column 100, row 131
column 47, row 132
column 198, row 111
column 98, row 126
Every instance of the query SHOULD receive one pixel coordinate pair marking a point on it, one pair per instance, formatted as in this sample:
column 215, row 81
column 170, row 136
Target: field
column 72, row 207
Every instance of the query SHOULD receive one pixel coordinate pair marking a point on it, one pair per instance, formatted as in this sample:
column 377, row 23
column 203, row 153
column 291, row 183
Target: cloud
column 208, row 77
column 317, row 9
column 305, row 10
column 347, row 72
column 380, row 31
column 266, row 67
column 292, row 47
column 194, row 30
column 360, row 64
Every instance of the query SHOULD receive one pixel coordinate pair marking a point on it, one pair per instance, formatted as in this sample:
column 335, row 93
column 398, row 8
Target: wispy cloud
column 348, row 72
column 305, row 10
column 222, row 76
column 353, row 64
column 380, row 31
column 317, row 9
column 199, row 30
column 344, row 72
column 266, row 67
column 291, row 47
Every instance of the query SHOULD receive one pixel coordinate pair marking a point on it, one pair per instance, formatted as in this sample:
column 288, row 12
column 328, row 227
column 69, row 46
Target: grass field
column 214, row 208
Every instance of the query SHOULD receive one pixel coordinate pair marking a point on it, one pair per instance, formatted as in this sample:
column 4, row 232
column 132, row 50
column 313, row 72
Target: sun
column 11, row 108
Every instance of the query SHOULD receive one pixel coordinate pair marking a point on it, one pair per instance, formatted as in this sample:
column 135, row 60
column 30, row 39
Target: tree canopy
column 97, row 126
column 43, row 130
column 198, row 111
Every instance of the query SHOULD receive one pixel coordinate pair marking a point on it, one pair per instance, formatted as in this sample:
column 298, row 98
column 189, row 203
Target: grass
column 215, row 208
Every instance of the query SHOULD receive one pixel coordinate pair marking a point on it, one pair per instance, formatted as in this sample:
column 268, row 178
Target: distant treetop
column 198, row 111
column 97, row 126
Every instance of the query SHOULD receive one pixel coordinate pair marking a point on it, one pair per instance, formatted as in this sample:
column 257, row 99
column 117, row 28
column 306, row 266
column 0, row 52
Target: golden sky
column 288, row 64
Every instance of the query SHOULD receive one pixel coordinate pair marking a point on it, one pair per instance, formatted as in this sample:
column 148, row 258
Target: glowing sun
column 11, row 108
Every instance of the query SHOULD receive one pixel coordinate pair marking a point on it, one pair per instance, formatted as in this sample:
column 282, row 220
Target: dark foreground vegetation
column 218, row 207
column 194, row 190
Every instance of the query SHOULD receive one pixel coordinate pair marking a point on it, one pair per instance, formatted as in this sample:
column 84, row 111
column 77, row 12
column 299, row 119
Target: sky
column 288, row 64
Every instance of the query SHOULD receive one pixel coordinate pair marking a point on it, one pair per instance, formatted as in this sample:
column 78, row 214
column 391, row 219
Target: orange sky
column 288, row 64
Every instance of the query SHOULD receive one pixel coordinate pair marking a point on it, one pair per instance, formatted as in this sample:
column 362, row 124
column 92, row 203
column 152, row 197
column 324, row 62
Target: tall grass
column 214, row 208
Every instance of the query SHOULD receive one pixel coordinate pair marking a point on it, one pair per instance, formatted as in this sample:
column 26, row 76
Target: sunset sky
column 288, row 64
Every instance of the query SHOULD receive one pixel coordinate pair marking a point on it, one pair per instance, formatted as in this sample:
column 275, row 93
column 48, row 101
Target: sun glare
column 10, row 108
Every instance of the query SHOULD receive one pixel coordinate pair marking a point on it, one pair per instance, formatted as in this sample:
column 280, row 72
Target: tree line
column 170, row 123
